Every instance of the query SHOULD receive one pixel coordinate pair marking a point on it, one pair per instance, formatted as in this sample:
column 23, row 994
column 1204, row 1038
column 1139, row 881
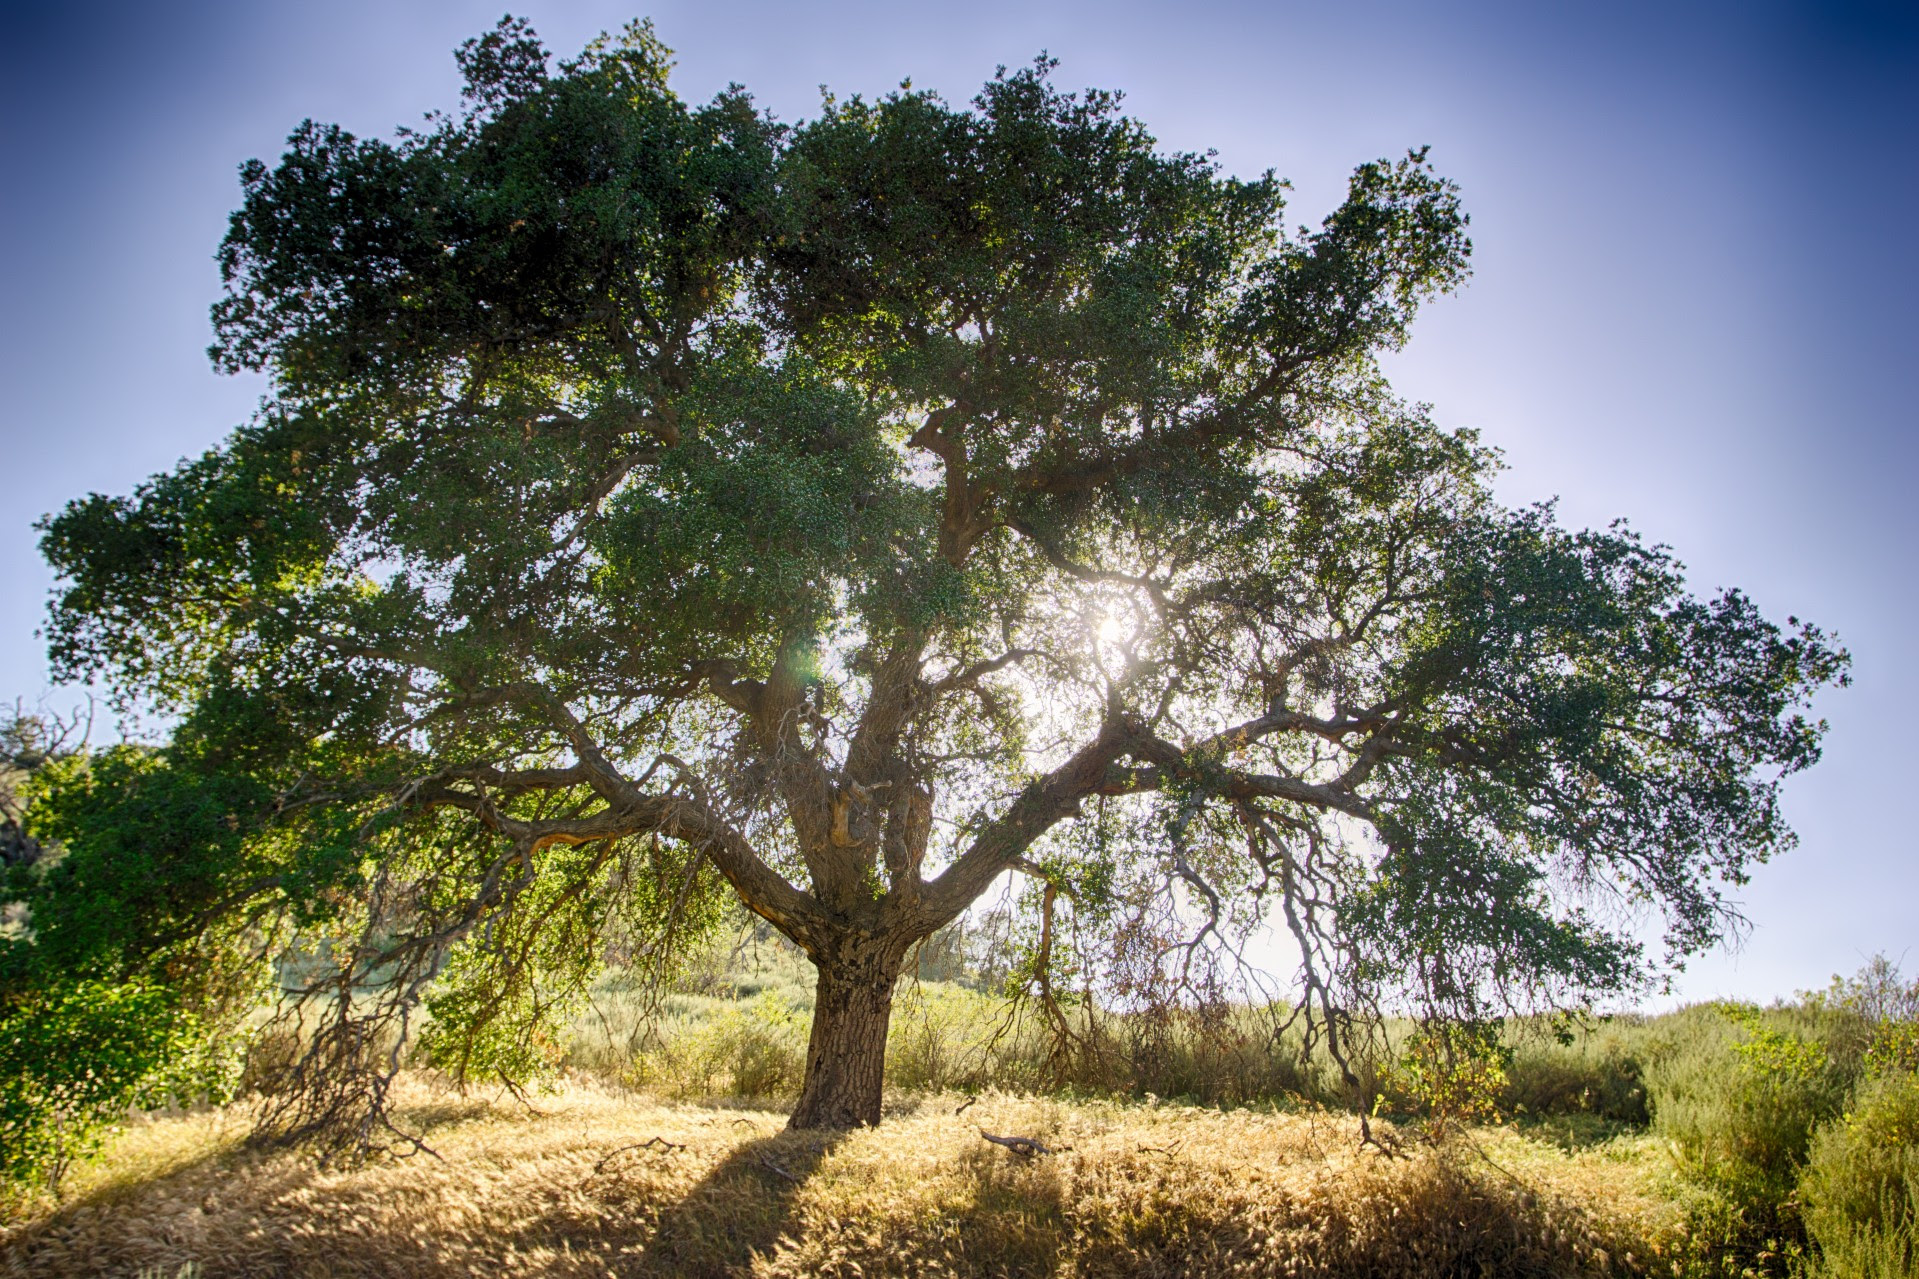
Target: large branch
column 1095, row 770
column 1279, row 719
column 965, row 514
column 763, row 889
column 1090, row 573
column 1085, row 472
column 515, row 780
column 970, row 676
column 765, row 892
column 896, row 687
column 805, row 784
column 1234, row 784
column 1204, row 766
column 1042, row 804
column 774, row 710
column 723, row 678
column 879, row 802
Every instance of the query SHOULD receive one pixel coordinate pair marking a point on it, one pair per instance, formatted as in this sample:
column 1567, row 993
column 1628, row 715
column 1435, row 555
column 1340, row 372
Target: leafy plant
column 1861, row 1185
column 1454, row 1074
column 74, row 1062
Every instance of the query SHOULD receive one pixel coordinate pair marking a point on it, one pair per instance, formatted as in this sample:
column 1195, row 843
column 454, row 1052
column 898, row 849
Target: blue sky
column 1693, row 306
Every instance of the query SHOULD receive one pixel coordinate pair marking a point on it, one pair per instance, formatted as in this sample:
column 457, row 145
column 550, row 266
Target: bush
column 1600, row 1072
column 751, row 1048
column 1739, row 1092
column 1861, row 1188
column 74, row 1062
column 946, row 1036
column 1741, row 1111
column 1855, row 1251
column 1453, row 1074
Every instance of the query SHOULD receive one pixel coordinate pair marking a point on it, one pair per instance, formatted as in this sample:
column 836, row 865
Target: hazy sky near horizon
column 1693, row 307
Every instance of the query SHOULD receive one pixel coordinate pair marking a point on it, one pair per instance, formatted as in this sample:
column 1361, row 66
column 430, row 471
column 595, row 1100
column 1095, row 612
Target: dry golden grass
column 1135, row 1190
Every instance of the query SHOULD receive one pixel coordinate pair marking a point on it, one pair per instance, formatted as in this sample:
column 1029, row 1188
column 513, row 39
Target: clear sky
column 1693, row 305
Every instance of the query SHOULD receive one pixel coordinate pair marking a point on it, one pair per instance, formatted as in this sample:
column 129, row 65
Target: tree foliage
column 657, row 501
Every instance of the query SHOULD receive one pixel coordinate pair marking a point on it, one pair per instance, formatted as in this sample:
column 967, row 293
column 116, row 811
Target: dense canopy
column 658, row 500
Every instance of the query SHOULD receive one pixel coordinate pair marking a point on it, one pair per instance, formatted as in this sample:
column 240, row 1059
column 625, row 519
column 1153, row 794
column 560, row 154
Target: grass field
column 595, row 1183
column 1715, row 1142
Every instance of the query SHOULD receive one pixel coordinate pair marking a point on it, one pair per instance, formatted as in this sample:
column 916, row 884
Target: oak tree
column 657, row 501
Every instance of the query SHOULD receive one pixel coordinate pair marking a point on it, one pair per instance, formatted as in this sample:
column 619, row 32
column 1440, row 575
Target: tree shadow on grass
column 83, row 1232
column 646, row 1226
column 738, row 1209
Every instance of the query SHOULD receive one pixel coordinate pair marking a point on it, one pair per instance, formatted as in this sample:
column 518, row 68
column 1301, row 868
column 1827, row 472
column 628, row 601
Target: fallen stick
column 774, row 1168
column 649, row 1144
column 1024, row 1147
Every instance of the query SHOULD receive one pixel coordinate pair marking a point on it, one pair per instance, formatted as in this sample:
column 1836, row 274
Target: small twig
column 961, row 1109
column 1481, row 1152
column 519, row 1094
column 1024, row 1147
column 1389, row 1146
column 1163, row 1150
column 775, row 1169
column 650, row 1143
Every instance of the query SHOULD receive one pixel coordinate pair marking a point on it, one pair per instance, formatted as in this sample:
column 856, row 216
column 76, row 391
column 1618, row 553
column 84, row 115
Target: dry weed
column 599, row 1185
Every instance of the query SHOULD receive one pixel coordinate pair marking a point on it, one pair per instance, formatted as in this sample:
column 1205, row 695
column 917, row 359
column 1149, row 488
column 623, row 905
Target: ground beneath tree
column 598, row 1184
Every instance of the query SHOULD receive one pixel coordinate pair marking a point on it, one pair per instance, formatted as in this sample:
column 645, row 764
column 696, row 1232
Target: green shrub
column 1599, row 1072
column 1894, row 1048
column 1860, row 1192
column 946, row 1036
column 750, row 1048
column 1453, row 1074
column 1740, row 1107
column 75, row 1061
column 1738, row 1093
column 1856, row 1251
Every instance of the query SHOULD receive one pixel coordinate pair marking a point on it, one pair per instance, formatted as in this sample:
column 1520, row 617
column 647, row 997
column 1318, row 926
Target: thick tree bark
column 846, row 1056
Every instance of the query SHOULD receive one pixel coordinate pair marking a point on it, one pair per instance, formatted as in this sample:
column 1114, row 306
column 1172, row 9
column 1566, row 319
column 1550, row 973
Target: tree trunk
column 846, row 1056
